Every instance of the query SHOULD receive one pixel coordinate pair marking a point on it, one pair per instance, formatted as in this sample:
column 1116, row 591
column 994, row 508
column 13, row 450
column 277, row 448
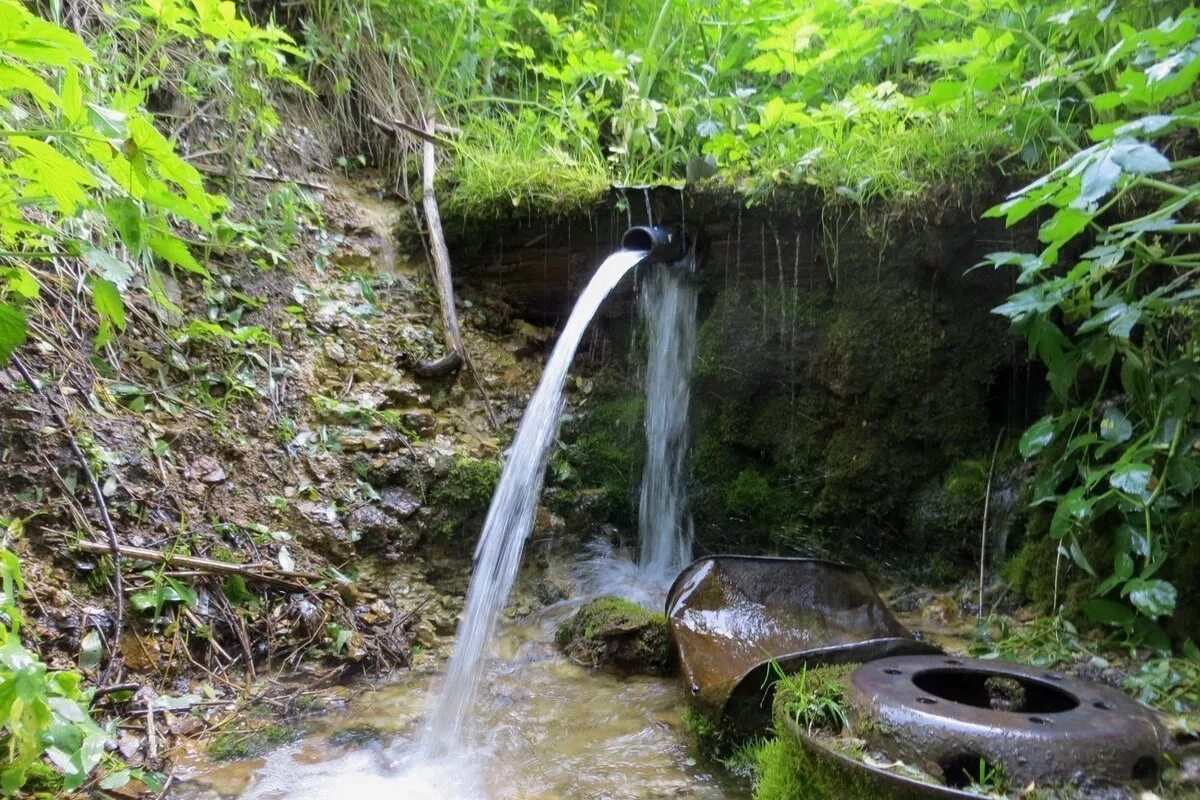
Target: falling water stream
column 668, row 306
column 524, row 722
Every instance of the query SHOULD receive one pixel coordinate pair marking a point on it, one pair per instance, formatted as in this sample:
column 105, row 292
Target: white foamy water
column 509, row 521
column 668, row 305
column 548, row 729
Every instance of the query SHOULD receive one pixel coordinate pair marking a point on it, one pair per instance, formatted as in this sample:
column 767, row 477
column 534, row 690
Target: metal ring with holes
column 962, row 719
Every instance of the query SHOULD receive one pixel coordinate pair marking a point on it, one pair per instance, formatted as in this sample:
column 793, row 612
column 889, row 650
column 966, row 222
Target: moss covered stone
column 236, row 745
column 614, row 632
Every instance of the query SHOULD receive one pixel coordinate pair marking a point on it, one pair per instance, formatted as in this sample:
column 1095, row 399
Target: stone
column 616, row 633
column 370, row 520
column 398, row 503
column 421, row 423
column 205, row 469
column 400, row 392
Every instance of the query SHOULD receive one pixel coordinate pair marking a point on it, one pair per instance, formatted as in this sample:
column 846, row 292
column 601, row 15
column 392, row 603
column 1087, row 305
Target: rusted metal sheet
column 733, row 618
column 949, row 716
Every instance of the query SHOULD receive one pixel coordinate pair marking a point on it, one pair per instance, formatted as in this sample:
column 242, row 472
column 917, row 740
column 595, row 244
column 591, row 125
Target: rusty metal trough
column 734, row 619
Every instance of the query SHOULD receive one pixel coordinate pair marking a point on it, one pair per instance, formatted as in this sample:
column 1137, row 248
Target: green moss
column 612, row 631
column 706, row 734
column 605, row 447
column 945, row 518
column 236, row 745
column 358, row 736
column 469, row 485
column 42, row 781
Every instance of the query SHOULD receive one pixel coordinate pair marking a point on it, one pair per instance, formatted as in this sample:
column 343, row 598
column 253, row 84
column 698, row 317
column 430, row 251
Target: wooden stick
column 272, row 575
column 437, row 244
column 212, row 169
column 397, row 125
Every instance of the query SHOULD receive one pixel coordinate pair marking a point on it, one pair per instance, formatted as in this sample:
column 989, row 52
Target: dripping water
column 668, row 306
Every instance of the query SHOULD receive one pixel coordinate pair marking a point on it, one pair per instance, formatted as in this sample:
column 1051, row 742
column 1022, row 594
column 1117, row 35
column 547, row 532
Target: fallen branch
column 396, row 126
column 437, row 244
column 266, row 573
column 212, row 169
column 111, row 547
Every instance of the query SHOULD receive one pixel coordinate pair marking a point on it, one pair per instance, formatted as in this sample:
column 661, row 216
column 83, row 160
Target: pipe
column 664, row 244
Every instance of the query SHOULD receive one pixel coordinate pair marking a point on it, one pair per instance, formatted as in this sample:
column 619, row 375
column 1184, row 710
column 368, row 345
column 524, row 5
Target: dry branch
column 266, row 573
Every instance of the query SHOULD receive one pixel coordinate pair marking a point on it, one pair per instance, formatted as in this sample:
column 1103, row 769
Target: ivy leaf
column 1115, row 426
column 1154, row 597
column 1034, row 440
column 1139, row 158
column 1132, row 479
column 13, row 331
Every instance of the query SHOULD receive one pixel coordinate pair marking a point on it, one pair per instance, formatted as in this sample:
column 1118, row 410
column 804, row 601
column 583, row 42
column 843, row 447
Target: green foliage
column 1115, row 324
column 814, row 698
column 43, row 713
column 87, row 179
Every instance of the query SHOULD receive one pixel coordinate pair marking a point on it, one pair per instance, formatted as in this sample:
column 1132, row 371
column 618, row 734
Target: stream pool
column 551, row 730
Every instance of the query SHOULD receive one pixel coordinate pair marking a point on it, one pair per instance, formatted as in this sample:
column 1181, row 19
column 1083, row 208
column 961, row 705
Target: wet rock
column 942, row 611
column 614, row 632
column 370, row 520
column 398, row 503
column 401, row 392
column 335, row 352
column 546, row 523
column 359, row 440
column 421, row 423
column 205, row 469
column 358, row 736
column 550, row 591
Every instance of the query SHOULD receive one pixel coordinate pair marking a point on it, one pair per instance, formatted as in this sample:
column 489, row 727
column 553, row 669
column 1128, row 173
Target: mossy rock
column 616, row 633
column 238, row 745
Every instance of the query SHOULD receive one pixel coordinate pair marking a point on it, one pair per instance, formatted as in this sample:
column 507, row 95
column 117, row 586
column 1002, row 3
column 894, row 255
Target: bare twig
column 224, row 172
column 266, row 573
column 112, row 547
column 987, row 497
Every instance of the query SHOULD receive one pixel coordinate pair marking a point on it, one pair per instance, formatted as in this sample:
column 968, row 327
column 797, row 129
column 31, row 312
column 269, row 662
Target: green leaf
column 22, row 282
column 1115, row 426
column 107, row 300
column 1108, row 612
column 1154, row 598
column 1131, row 478
column 174, row 251
column 13, row 331
column 1035, row 439
column 1138, row 158
column 112, row 269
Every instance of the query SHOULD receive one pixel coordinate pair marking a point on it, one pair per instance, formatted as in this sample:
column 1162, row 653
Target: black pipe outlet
column 665, row 244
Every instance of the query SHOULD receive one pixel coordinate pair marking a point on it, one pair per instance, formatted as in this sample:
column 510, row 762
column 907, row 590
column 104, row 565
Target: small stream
column 549, row 730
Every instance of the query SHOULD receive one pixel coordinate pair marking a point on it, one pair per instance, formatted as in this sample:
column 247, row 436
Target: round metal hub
column 965, row 720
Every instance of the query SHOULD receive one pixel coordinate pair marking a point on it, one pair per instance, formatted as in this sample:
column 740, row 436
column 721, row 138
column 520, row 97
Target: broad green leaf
column 1108, row 612
column 1138, row 158
column 22, row 282
column 1115, row 426
column 13, row 330
column 1035, row 439
column 1154, row 598
column 1132, row 479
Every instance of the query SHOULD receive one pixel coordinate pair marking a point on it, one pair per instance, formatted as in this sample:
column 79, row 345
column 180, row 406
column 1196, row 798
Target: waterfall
column 668, row 306
column 510, row 519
